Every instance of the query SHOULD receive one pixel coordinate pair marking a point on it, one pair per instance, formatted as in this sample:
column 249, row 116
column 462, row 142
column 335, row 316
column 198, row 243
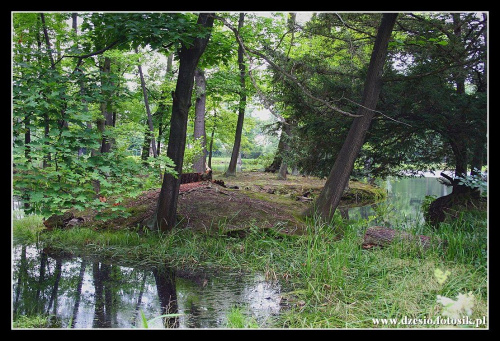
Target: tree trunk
column 162, row 107
column 166, row 211
column 274, row 166
column 107, row 113
column 285, row 136
column 146, row 145
column 47, row 157
column 148, row 111
column 329, row 197
column 210, row 148
column 199, row 121
column 231, row 170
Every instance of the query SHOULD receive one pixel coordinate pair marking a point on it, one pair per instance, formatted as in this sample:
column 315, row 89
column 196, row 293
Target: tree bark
column 275, row 165
column 148, row 111
column 329, row 197
column 146, row 145
column 166, row 211
column 199, row 121
column 285, row 134
column 47, row 157
column 162, row 107
column 231, row 170
column 210, row 148
column 107, row 113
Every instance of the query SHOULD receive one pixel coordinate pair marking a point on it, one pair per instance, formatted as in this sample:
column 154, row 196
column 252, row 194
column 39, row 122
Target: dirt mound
column 211, row 206
column 249, row 200
column 207, row 206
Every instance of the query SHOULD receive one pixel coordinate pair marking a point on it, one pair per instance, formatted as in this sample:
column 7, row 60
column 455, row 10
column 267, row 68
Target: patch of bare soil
column 211, row 206
column 206, row 206
column 253, row 199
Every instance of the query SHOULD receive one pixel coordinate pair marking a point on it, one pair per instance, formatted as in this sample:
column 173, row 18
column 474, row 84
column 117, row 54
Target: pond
column 93, row 293
column 88, row 293
column 404, row 201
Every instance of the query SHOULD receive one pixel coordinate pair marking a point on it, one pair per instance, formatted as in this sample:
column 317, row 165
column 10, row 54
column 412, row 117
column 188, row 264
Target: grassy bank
column 333, row 282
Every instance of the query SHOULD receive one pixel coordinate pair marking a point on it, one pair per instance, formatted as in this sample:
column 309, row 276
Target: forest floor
column 249, row 199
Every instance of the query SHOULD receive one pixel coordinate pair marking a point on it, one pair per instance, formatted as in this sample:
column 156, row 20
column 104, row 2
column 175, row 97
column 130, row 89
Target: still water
column 404, row 201
column 88, row 293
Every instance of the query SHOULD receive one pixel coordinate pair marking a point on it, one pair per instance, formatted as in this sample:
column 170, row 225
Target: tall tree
column 199, row 120
column 231, row 170
column 149, row 136
column 336, row 182
column 189, row 55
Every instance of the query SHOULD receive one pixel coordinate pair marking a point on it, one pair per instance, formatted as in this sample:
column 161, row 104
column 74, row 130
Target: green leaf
column 81, row 198
column 105, row 169
column 144, row 320
column 36, row 197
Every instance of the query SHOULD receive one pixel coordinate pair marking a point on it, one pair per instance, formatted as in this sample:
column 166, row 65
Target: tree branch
column 376, row 111
column 290, row 77
column 80, row 57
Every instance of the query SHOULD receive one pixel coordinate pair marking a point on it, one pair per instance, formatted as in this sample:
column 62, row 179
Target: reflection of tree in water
column 165, row 284
column 78, row 292
column 84, row 293
column 103, row 302
column 37, row 286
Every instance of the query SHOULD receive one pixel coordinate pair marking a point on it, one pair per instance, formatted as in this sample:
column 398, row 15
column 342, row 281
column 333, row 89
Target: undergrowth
column 331, row 281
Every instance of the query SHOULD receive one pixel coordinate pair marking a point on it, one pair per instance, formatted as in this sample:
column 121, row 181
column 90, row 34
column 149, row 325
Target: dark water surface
column 85, row 293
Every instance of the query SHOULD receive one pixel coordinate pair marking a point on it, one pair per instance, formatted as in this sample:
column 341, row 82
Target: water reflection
column 87, row 293
column 404, row 201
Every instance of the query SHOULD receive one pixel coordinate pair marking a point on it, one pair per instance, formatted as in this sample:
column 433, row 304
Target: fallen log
column 64, row 220
column 304, row 199
column 187, row 178
column 378, row 236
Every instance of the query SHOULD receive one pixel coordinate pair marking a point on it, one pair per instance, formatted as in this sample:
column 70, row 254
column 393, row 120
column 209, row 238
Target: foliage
column 58, row 165
column 455, row 309
column 191, row 154
column 27, row 229
column 38, row 321
column 421, row 113
column 474, row 181
column 145, row 322
column 63, row 97
column 62, row 93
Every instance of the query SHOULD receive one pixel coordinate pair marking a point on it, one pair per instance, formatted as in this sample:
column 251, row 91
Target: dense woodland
column 111, row 104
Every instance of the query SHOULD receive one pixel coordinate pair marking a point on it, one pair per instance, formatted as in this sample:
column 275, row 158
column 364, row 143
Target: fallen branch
column 378, row 236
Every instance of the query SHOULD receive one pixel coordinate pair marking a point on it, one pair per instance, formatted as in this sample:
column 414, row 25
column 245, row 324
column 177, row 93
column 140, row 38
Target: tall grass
column 27, row 229
column 347, row 286
column 331, row 281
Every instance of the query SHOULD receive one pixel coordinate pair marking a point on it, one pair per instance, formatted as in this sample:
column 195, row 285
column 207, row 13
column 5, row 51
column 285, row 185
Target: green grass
column 237, row 319
column 36, row 321
column 27, row 229
column 220, row 164
column 333, row 282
